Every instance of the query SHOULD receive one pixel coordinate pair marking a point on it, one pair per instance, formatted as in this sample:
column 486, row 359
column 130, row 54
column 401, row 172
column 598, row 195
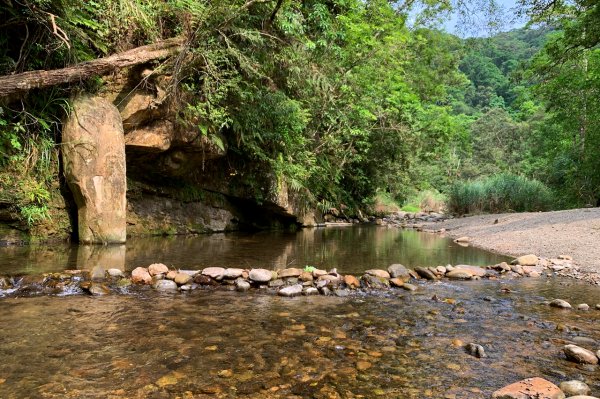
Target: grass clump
column 501, row 193
column 425, row 201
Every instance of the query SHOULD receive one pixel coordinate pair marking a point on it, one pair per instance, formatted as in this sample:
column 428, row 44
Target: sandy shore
column 548, row 234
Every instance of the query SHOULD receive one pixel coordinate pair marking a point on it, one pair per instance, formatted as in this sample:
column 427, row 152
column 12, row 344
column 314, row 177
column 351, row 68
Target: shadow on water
column 350, row 250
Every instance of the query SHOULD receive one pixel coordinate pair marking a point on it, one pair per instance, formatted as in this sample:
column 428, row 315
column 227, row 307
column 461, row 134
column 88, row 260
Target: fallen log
column 23, row 82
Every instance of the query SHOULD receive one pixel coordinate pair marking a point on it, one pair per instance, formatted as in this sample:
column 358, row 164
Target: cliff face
column 178, row 180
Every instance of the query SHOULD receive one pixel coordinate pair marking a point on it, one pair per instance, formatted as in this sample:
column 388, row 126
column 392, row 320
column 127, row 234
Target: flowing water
column 221, row 344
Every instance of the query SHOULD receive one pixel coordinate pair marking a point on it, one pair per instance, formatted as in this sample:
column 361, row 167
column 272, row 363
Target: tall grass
column 501, row 193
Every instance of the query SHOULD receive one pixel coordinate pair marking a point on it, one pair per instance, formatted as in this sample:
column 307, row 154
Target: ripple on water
column 222, row 344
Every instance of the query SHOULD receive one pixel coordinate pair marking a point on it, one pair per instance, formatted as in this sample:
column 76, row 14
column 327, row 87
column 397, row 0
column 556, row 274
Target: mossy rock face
column 10, row 235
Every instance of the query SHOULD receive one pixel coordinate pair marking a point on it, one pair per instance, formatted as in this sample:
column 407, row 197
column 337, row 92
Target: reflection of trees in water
column 349, row 249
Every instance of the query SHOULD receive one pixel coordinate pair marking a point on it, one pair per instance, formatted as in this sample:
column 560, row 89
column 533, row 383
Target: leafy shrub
column 501, row 193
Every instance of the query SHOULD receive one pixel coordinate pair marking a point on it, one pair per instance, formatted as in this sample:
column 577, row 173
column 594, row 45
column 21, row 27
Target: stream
column 225, row 344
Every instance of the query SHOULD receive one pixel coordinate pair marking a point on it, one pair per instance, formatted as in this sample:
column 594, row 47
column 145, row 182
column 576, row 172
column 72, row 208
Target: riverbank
column 573, row 232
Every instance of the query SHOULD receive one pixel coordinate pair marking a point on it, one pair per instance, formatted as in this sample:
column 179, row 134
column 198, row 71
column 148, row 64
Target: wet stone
column 409, row 287
column 140, row 275
column 351, row 281
column 214, row 272
column 530, row 388
column 260, row 275
column 171, row 274
column 459, row 274
column 475, row 350
column 311, row 291
column 583, row 306
column 182, row 278
column 425, row 273
column 204, row 280
column 290, row 291
column 378, row 273
column 584, row 341
column 580, row 355
column 341, row 292
column 290, row 272
column 242, row 285
column 165, row 285
column 396, row 282
column 96, row 289
column 574, row 387
column 114, row 273
column 232, row 273
column 276, row 283
column 399, row 271
column 306, row 276
column 560, row 303
column 375, row 282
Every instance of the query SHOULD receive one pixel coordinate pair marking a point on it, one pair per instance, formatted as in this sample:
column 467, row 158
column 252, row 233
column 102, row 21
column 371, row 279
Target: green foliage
column 500, row 193
column 410, row 208
column 335, row 101
column 309, row 269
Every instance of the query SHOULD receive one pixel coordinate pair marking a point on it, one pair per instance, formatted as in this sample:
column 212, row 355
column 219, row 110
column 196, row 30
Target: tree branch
column 23, row 82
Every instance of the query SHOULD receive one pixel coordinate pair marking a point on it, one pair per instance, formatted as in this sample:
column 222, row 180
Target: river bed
column 215, row 343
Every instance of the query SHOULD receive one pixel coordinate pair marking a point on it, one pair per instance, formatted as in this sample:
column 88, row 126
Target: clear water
column 220, row 344
column 349, row 249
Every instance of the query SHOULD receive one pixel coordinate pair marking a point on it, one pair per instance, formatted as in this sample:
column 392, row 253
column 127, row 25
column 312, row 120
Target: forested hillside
column 340, row 100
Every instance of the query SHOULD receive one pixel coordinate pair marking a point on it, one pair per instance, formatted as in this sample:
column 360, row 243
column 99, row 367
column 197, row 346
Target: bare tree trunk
column 23, row 82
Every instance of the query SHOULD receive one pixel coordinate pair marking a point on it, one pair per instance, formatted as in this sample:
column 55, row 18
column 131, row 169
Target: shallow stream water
column 214, row 343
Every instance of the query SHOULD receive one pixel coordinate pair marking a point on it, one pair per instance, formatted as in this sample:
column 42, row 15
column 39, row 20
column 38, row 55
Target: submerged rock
column 530, row 388
column 578, row 354
column 409, row 287
column 292, row 290
column 165, row 285
column 560, row 303
column 475, row 350
column 574, row 387
column 242, row 285
column 115, row 273
column 94, row 288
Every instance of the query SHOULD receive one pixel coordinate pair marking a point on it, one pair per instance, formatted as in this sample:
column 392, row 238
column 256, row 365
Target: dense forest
column 345, row 101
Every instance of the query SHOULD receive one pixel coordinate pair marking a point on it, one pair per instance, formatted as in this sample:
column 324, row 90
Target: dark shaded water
column 216, row 344
column 350, row 250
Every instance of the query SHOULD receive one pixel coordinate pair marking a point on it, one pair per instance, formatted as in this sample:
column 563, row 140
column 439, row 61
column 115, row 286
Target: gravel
column 573, row 232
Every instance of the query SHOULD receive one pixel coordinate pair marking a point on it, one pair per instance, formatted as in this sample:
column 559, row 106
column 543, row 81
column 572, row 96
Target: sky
column 478, row 28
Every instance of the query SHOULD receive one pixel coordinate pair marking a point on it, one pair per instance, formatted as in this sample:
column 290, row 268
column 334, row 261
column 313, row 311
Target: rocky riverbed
column 286, row 282
column 575, row 232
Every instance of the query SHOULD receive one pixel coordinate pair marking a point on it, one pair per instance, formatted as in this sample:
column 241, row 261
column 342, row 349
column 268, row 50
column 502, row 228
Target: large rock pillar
column 93, row 151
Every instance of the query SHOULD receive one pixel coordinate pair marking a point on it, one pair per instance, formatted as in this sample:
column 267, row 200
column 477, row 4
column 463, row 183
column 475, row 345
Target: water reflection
column 350, row 250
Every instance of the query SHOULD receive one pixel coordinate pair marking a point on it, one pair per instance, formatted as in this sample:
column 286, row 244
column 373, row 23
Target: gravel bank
column 573, row 232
